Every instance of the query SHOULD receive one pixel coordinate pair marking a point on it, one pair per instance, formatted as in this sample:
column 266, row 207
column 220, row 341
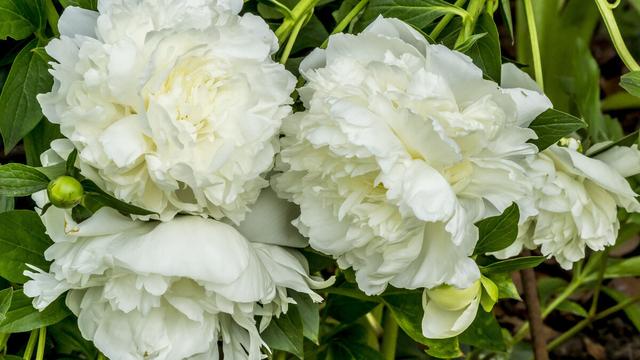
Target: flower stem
column 582, row 324
column 292, row 38
column 468, row 24
column 31, row 344
column 535, row 46
column 3, row 341
column 598, row 286
column 606, row 12
column 300, row 10
column 42, row 339
column 347, row 19
column 390, row 336
column 444, row 21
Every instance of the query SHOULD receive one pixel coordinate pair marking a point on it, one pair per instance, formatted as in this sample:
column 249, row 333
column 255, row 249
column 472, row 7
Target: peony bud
column 452, row 298
column 65, row 192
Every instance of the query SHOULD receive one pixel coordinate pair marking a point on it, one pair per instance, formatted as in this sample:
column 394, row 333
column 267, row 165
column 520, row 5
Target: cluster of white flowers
column 177, row 106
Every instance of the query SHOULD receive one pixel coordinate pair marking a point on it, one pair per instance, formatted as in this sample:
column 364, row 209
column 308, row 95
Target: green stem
column 3, row 341
column 606, row 12
column 292, row 38
column 535, row 47
column 445, row 21
column 52, row 16
column 347, row 19
column 468, row 24
column 31, row 344
column 582, row 324
column 598, row 285
column 42, row 340
column 302, row 8
column 390, row 336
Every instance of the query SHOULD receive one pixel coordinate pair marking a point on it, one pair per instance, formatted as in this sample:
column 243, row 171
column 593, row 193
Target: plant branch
column 42, row 339
column 582, row 324
column 445, row 21
column 606, row 12
column 292, row 38
column 598, row 285
column 300, row 10
column 535, row 315
column 347, row 20
column 535, row 46
column 31, row 344
column 474, row 9
column 52, row 16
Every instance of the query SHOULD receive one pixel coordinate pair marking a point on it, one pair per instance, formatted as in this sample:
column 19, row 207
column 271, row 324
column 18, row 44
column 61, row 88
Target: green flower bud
column 452, row 298
column 65, row 192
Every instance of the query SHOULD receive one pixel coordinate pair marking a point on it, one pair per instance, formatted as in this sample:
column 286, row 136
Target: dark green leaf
column 68, row 340
column 631, row 82
column 572, row 307
column 485, row 52
column 39, row 140
column 19, row 109
column 342, row 350
column 23, row 317
column 484, row 333
column 5, row 302
column 285, row 333
column 552, row 125
column 628, row 140
column 21, row 180
column 16, row 19
column 312, row 35
column 309, row 313
column 632, row 311
column 98, row 198
column 7, row 203
column 418, row 13
column 22, row 240
column 85, row 4
column 505, row 11
column 348, row 309
column 406, row 308
column 498, row 232
column 511, row 265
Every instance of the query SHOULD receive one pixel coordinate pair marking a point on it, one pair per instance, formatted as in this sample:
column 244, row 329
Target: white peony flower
column 576, row 198
column 168, row 290
column 172, row 290
column 173, row 105
column 403, row 146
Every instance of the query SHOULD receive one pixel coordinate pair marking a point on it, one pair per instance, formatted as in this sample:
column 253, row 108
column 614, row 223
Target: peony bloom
column 576, row 198
column 172, row 290
column 449, row 311
column 402, row 147
column 173, row 105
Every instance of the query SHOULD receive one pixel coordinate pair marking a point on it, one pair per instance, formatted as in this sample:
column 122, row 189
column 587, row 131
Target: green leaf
column 39, row 140
column 21, row 180
column 552, row 125
column 506, row 288
column 342, row 350
column 418, row 13
column 5, row 302
column 631, row 82
column 505, row 11
column 490, row 294
column 97, row 198
column 309, row 313
column 406, row 308
column 22, row 240
column 498, row 232
column 621, row 268
column 68, row 341
column 285, row 333
column 7, row 203
column 16, row 19
column 572, row 307
column 484, row 333
column 485, row 52
column 19, row 109
column 510, row 265
column 23, row 317
column 85, row 4
column 347, row 309
column 312, row 35
column 628, row 140
column 632, row 311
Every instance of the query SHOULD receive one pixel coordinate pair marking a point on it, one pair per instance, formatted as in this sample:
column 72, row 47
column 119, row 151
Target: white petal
column 77, row 21
column 625, row 160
